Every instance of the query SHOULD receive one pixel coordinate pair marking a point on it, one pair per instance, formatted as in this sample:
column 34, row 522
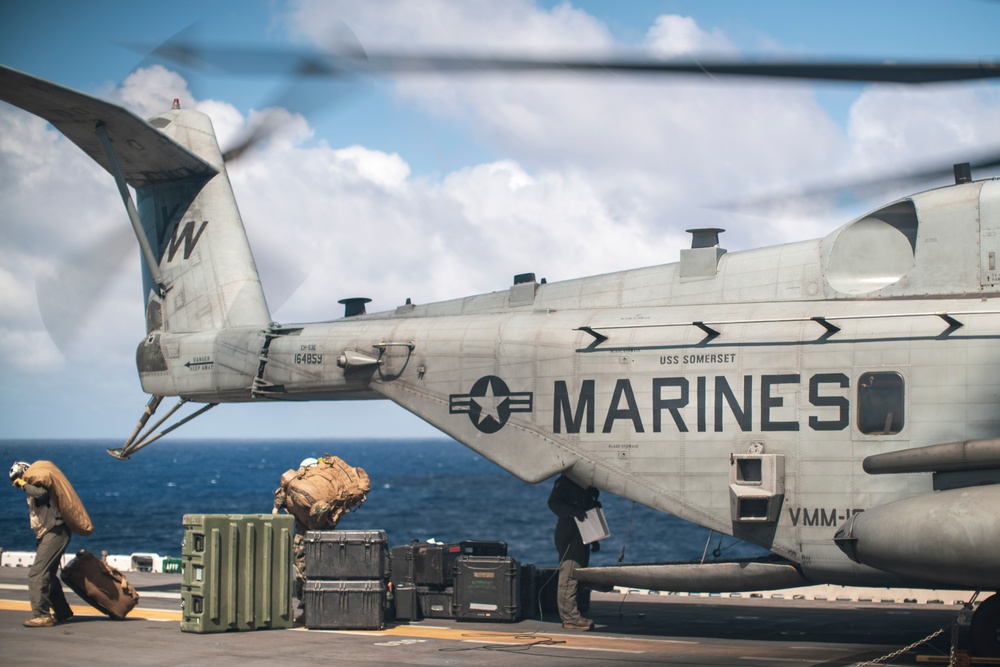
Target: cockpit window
column 881, row 403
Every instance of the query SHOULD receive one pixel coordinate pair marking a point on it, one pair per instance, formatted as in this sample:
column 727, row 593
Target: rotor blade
column 830, row 71
column 256, row 62
column 69, row 293
column 298, row 96
column 862, row 186
column 266, row 125
column 280, row 277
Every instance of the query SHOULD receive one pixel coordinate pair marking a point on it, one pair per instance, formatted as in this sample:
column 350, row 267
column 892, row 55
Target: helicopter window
column 875, row 251
column 749, row 470
column 880, row 403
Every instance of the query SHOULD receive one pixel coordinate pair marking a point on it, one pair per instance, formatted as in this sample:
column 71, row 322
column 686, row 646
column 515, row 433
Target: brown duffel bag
column 319, row 495
column 101, row 586
column 74, row 514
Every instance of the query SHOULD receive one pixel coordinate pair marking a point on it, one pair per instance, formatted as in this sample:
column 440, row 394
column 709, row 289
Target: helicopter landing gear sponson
column 985, row 631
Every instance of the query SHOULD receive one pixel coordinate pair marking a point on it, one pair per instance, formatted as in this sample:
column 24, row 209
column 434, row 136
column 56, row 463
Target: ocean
column 426, row 489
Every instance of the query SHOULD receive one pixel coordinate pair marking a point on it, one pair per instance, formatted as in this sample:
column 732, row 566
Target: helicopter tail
column 205, row 277
column 198, row 270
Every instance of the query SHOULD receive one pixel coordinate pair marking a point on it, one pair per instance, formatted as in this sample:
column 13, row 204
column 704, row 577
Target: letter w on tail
column 189, row 238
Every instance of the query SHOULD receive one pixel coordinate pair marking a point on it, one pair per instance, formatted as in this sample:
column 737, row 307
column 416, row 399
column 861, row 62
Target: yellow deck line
column 587, row 641
column 582, row 641
column 80, row 610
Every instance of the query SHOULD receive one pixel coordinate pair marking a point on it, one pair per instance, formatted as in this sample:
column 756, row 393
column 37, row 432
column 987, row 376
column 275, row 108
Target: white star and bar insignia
column 490, row 403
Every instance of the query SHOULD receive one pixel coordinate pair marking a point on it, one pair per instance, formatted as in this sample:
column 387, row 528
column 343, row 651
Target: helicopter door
column 989, row 235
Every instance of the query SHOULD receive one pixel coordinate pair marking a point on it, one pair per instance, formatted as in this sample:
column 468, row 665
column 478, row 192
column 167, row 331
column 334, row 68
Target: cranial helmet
column 308, row 463
column 17, row 470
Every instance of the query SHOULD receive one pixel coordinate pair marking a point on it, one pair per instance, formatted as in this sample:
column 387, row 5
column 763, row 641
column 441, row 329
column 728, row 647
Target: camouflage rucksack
column 319, row 495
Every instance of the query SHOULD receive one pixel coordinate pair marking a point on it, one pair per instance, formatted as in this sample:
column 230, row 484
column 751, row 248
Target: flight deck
column 631, row 629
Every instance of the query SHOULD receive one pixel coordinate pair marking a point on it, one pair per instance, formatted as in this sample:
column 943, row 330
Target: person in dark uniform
column 570, row 501
column 44, row 589
column 299, row 540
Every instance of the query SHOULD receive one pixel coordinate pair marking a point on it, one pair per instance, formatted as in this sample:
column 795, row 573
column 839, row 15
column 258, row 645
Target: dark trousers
column 44, row 589
column 299, row 559
column 573, row 553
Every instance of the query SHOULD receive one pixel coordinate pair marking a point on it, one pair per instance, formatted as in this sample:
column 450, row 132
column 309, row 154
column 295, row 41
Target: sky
column 436, row 187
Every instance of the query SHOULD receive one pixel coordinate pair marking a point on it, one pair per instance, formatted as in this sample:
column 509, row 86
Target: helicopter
column 833, row 401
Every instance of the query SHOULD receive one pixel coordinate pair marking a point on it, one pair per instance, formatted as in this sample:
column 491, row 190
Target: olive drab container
column 236, row 572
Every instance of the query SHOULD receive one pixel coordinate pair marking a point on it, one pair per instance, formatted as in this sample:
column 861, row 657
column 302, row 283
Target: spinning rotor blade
column 348, row 58
column 70, row 292
column 940, row 171
column 257, row 62
column 296, row 97
column 184, row 51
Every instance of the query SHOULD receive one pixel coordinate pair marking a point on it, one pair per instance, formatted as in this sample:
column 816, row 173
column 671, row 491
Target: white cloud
column 894, row 125
column 673, row 35
column 513, row 26
column 653, row 150
column 56, row 200
column 149, row 91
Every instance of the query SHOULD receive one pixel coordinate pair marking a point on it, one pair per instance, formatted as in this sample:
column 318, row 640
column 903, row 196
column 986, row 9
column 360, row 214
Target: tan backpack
column 319, row 495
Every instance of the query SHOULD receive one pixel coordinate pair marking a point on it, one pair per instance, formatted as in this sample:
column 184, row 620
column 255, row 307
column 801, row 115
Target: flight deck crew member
column 44, row 589
column 570, row 501
column 299, row 541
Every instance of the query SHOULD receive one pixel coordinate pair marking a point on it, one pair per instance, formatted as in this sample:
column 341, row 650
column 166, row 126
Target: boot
column 39, row 622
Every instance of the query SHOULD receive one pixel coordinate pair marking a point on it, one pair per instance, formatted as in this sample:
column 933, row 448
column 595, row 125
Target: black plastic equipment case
column 436, row 601
column 346, row 554
column 529, row 592
column 434, row 564
column 345, row 605
column 483, row 547
column 405, row 605
column 487, row 588
column 402, row 565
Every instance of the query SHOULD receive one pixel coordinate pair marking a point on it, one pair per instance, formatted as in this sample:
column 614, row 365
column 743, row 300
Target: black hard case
column 401, row 566
column 529, row 591
column 487, row 588
column 405, row 602
column 483, row 547
column 345, row 605
column 436, row 601
column 346, row 554
column 434, row 564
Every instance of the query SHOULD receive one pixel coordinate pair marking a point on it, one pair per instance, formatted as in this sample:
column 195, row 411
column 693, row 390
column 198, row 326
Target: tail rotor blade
column 68, row 294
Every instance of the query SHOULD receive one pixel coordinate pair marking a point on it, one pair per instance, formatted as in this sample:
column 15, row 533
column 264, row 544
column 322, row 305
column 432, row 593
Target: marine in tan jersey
column 48, row 603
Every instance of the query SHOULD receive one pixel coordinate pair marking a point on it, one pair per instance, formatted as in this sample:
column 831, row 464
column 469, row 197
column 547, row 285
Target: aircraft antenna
column 628, row 528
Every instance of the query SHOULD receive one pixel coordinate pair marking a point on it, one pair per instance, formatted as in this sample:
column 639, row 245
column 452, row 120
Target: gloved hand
column 580, row 516
column 19, row 482
column 595, row 546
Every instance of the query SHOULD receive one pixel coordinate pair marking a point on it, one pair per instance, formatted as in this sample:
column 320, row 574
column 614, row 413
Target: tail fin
column 189, row 226
column 196, row 233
